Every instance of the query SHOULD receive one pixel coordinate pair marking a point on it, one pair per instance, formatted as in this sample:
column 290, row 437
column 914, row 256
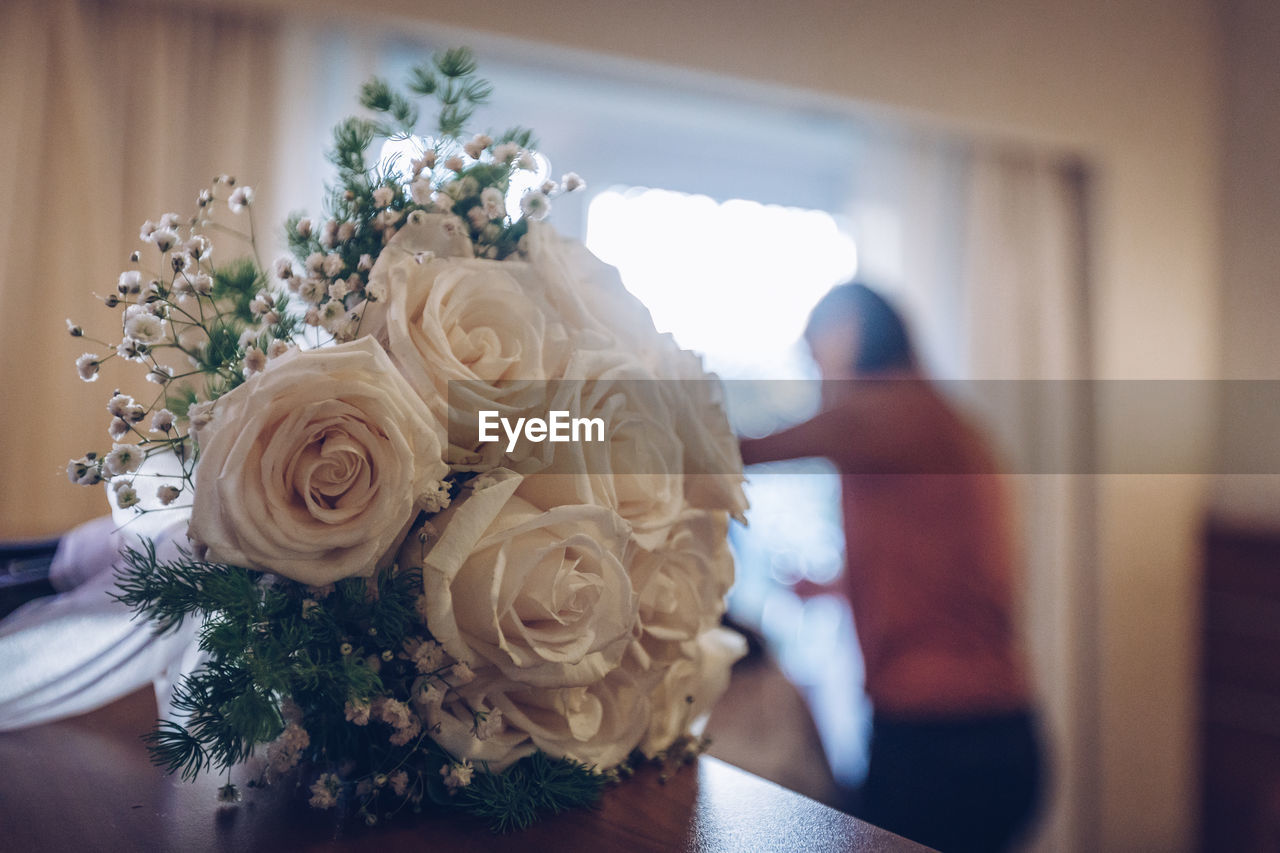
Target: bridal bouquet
column 457, row 512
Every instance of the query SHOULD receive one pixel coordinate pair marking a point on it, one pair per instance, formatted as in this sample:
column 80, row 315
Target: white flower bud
column 240, row 199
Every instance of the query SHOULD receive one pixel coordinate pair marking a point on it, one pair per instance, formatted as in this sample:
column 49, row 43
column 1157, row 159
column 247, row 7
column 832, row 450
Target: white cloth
column 81, row 649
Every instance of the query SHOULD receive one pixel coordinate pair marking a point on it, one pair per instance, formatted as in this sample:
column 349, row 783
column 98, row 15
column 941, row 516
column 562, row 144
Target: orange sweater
column 930, row 571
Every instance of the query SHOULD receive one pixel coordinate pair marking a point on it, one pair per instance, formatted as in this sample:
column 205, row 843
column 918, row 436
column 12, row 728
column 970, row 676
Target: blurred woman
column 931, row 578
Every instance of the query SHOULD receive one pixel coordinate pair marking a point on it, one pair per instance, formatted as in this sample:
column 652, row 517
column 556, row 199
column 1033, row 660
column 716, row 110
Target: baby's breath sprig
column 465, row 177
column 198, row 328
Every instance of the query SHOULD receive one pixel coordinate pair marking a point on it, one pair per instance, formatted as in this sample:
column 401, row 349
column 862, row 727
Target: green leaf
column 173, row 748
column 405, row 112
column 478, row 91
column 422, row 81
column 351, row 140
column 529, row 790
column 376, row 95
column 453, row 119
column 521, row 136
column 455, row 62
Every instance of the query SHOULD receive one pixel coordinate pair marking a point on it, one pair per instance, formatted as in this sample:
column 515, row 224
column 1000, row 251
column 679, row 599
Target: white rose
column 680, row 586
column 603, row 314
column 597, row 724
column 452, row 723
column 589, row 294
column 690, row 687
column 636, row 469
column 712, row 458
column 542, row 596
column 313, row 468
column 469, row 335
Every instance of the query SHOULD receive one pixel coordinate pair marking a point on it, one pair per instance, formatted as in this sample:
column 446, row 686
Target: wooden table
column 86, row 784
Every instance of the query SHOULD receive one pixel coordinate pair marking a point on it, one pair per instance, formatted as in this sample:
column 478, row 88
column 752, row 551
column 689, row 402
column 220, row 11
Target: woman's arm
column 817, row 436
column 881, row 431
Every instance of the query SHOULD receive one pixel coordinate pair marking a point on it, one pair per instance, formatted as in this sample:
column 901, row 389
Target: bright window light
column 524, row 180
column 399, row 152
column 734, row 281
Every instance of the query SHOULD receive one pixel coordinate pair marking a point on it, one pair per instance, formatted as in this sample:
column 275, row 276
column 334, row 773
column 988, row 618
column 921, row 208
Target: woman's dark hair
column 883, row 342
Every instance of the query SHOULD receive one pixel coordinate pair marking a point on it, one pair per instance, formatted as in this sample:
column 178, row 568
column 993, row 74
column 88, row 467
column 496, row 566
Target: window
column 735, row 281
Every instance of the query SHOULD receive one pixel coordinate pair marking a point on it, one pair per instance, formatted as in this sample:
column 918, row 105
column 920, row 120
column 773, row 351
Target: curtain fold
column 1027, row 309
column 114, row 113
column 987, row 254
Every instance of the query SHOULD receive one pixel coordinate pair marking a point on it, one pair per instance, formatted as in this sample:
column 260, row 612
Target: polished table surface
column 86, row 784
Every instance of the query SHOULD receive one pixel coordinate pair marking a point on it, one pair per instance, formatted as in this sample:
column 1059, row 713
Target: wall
column 1251, row 190
column 1132, row 85
column 1251, row 250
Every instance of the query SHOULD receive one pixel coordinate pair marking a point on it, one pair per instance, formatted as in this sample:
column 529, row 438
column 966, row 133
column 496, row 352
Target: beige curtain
column 989, row 258
column 1026, row 311
column 110, row 113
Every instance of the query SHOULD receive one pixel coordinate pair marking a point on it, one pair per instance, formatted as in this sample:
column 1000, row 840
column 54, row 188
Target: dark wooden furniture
column 86, row 784
column 1240, row 777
